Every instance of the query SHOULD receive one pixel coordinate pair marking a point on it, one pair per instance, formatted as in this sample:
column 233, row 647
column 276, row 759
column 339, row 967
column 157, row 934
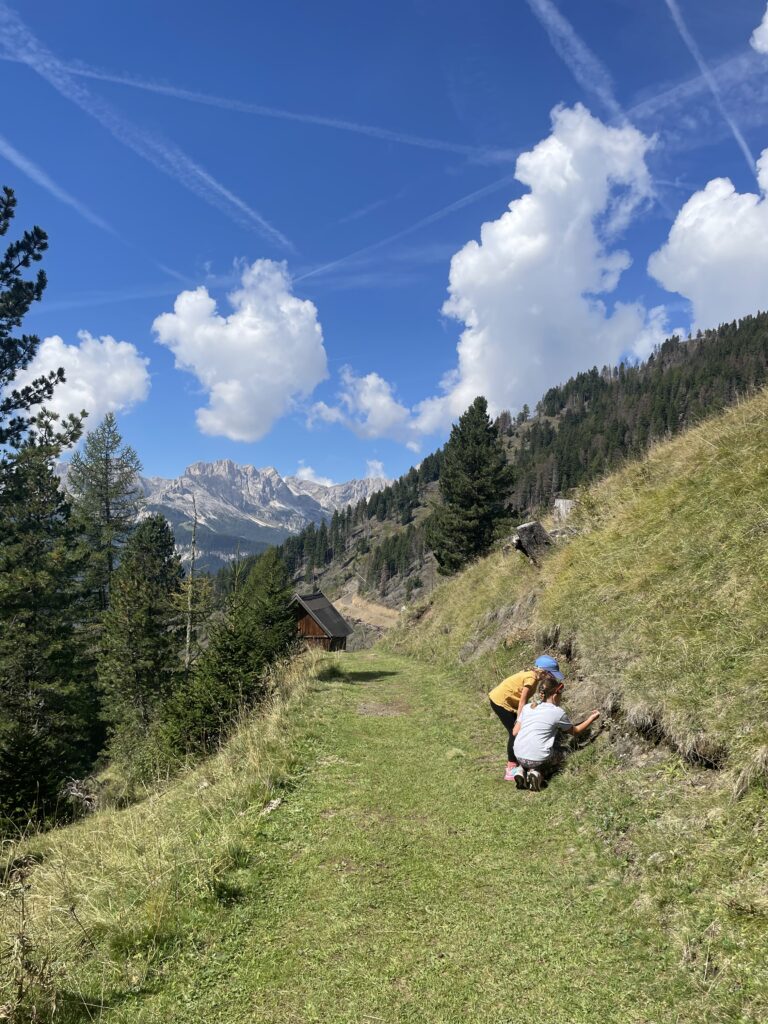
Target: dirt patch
column 383, row 709
column 343, row 867
column 370, row 612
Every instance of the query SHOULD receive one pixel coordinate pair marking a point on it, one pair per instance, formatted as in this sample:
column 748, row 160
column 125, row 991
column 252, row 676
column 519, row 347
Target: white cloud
column 375, row 470
column 308, row 474
column 102, row 375
column 759, row 39
column 254, row 362
column 368, row 406
column 532, row 293
column 716, row 254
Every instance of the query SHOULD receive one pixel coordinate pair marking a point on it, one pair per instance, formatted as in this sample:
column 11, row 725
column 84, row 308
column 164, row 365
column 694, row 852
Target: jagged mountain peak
column 242, row 509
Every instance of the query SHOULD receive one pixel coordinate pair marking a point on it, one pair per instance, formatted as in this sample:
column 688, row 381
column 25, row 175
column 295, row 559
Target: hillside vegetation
column 661, row 596
column 580, row 430
column 401, row 879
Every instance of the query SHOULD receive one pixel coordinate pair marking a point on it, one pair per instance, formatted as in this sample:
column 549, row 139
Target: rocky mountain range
column 242, row 509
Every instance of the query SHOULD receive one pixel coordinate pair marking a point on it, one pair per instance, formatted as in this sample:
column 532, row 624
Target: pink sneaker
column 512, row 768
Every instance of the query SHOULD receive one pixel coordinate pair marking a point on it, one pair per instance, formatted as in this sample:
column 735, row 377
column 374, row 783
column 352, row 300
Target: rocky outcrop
column 532, row 540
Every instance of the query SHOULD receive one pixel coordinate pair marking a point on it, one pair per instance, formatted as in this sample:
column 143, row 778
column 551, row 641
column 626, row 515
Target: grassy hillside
column 661, row 596
column 665, row 591
column 94, row 911
column 401, row 879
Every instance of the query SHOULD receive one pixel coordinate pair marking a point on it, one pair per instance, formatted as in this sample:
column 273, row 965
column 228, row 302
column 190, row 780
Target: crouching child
column 536, row 731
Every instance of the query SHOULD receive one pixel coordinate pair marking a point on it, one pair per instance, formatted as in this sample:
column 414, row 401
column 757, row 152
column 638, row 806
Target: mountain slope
column 242, row 509
column 400, row 878
column 581, row 429
column 661, row 594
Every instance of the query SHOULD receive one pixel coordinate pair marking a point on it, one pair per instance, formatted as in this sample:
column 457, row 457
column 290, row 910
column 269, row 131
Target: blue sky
column 159, row 145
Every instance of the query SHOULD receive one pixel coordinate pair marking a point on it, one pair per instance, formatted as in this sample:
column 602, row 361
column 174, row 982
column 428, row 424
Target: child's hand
column 595, row 714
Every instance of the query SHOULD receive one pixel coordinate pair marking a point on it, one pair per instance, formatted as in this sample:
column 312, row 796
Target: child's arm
column 525, row 695
column 575, row 730
column 519, row 723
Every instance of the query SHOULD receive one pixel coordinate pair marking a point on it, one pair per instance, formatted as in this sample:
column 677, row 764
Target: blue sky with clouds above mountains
column 308, row 235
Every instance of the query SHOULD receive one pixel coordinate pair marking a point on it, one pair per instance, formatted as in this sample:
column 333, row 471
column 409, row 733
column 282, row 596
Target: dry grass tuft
column 754, row 772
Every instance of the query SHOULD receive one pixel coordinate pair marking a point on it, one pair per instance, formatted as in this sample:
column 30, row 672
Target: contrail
column 429, row 219
column 488, row 153
column 709, row 78
column 585, row 67
column 38, row 175
column 104, row 298
column 20, row 44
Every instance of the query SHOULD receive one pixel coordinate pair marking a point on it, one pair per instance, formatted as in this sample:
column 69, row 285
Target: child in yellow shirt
column 510, row 697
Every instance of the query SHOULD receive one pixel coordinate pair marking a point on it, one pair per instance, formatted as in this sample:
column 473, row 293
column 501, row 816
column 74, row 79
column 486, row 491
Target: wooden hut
column 318, row 623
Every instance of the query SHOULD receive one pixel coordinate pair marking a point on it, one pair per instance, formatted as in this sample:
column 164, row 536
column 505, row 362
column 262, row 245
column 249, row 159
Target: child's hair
column 547, row 686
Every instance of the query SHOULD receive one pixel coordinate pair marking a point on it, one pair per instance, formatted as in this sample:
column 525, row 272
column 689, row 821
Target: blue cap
column 549, row 664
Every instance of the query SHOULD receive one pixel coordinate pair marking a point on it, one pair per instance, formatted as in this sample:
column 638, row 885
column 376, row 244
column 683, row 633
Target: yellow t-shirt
column 507, row 694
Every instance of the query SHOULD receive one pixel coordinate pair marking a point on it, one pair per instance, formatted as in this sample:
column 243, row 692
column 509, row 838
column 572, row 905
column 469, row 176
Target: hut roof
column 324, row 614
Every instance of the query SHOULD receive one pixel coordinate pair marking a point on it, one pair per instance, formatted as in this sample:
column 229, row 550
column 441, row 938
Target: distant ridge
column 241, row 509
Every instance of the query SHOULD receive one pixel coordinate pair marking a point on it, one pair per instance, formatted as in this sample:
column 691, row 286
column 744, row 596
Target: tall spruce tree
column 140, row 648
column 104, row 481
column 475, row 482
column 44, row 689
column 255, row 629
column 266, row 612
column 48, row 705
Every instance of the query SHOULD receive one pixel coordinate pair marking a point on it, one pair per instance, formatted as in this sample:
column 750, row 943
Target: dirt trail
column 356, row 607
column 401, row 878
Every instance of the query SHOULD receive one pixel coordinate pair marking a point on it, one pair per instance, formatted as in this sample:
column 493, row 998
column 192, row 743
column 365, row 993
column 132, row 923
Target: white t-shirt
column 538, row 728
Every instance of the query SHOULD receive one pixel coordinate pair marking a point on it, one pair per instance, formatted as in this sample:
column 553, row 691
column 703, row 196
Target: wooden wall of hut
column 314, row 635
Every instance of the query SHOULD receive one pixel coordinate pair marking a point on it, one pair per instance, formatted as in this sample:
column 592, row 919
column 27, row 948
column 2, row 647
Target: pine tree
column 139, row 657
column 44, row 687
column 48, row 708
column 475, row 482
column 267, row 617
column 16, row 353
column 256, row 628
column 104, row 481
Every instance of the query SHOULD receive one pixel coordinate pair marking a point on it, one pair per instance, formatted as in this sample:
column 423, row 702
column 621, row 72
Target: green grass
column 402, row 880
column 662, row 596
column 665, row 592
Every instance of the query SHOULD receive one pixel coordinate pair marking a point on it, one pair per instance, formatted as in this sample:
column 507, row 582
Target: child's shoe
column 512, row 767
column 534, row 780
column 519, row 776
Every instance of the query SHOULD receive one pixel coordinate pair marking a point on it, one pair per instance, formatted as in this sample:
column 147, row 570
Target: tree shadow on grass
column 336, row 674
column 361, row 677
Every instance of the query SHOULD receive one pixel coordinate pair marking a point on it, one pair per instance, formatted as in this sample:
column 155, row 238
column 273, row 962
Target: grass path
column 402, row 880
